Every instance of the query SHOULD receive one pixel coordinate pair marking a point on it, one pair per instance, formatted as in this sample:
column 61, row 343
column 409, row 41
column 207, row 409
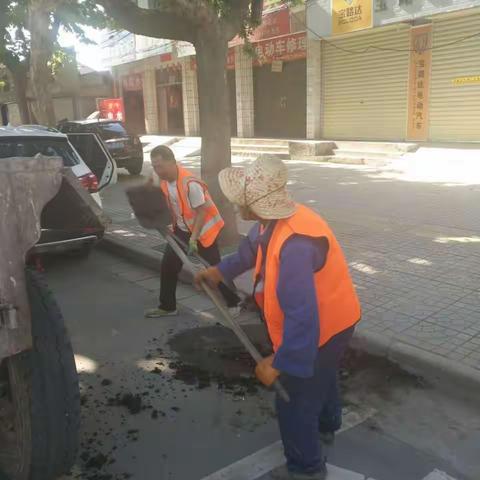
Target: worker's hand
column 211, row 276
column 265, row 372
column 192, row 247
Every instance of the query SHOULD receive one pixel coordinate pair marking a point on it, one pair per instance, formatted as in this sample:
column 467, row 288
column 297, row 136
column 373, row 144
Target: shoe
column 327, row 438
column 235, row 311
column 160, row 312
column 283, row 473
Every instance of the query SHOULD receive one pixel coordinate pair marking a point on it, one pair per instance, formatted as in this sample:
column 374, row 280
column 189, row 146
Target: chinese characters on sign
column 132, row 82
column 419, row 82
column 287, row 48
column 111, row 108
column 351, row 15
column 458, row 82
column 274, row 24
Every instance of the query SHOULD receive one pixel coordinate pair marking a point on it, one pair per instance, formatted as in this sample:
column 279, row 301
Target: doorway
column 170, row 101
column 133, row 104
column 281, row 100
column 4, row 114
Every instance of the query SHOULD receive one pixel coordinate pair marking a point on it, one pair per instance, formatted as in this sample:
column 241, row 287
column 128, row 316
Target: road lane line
column 438, row 475
column 267, row 459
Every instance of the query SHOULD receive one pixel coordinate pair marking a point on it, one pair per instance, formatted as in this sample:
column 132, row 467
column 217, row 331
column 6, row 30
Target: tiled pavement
column 413, row 248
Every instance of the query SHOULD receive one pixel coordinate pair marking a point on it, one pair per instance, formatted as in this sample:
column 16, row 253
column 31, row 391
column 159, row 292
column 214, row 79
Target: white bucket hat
column 261, row 186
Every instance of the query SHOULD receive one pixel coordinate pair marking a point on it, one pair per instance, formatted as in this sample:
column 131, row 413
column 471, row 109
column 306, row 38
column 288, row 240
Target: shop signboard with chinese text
column 274, row 24
column 111, row 109
column 419, row 82
column 287, row 48
column 351, row 16
column 132, row 83
column 461, row 81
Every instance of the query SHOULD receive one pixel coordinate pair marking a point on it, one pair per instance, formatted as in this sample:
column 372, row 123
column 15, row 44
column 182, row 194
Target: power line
column 375, row 47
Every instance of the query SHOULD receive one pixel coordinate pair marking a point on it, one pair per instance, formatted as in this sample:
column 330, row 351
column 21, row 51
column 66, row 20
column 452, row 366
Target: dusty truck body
column 39, row 391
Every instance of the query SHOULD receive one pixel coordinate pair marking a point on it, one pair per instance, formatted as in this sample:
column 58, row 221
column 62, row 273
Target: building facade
column 396, row 70
column 267, row 90
column 75, row 91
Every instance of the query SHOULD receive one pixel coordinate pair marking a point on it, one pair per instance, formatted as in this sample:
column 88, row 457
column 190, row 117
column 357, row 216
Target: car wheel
column 135, row 168
column 40, row 410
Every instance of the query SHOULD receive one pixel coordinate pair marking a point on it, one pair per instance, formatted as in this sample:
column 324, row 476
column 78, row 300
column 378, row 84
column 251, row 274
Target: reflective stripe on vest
column 338, row 304
column 213, row 221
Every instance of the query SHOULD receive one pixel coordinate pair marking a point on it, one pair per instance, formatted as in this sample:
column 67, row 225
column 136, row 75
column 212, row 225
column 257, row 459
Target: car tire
column 44, row 390
column 136, row 167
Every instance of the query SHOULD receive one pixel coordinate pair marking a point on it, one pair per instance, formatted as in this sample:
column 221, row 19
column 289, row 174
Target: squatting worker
column 195, row 219
column 304, row 291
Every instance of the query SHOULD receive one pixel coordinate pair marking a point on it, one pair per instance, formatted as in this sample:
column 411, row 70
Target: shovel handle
column 242, row 336
column 237, row 330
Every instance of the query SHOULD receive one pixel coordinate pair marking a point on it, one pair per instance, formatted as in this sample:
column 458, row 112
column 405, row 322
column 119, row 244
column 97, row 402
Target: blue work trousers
column 314, row 406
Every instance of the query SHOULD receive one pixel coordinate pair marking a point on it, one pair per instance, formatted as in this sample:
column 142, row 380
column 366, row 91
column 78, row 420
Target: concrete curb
column 440, row 371
column 140, row 256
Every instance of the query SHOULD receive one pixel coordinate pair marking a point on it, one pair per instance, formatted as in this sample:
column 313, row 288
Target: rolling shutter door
column 365, row 94
column 455, row 109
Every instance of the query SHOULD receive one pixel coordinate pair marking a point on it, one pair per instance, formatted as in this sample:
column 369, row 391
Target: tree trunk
column 20, row 82
column 211, row 52
column 41, row 47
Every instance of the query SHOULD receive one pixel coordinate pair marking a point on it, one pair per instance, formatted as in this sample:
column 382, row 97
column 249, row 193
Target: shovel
column 151, row 209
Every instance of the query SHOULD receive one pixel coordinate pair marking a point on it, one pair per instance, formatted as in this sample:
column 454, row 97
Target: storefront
column 364, row 89
column 455, row 82
column 170, row 100
column 279, row 85
column 132, row 92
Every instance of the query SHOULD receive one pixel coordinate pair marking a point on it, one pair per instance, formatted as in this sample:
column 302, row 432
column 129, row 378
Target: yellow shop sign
column 351, row 16
column 460, row 81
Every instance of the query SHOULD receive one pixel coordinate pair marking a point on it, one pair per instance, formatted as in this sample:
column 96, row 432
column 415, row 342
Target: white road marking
column 271, row 457
column 438, row 475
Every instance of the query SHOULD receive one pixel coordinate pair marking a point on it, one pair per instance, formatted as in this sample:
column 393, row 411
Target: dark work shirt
column 301, row 257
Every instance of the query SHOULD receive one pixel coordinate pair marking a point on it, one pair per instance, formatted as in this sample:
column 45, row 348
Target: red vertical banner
column 419, row 82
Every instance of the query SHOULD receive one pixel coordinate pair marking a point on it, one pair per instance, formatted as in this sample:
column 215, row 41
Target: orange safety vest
column 213, row 220
column 338, row 304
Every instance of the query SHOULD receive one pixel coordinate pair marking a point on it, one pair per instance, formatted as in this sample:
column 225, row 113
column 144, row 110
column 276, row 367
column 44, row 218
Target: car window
column 112, row 130
column 87, row 129
column 29, row 147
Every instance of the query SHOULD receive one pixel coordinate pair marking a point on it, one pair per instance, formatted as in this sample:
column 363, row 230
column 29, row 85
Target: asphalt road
column 171, row 398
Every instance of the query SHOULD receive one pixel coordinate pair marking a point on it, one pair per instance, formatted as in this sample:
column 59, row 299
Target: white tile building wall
column 314, row 88
column 150, row 101
column 244, row 87
column 190, row 98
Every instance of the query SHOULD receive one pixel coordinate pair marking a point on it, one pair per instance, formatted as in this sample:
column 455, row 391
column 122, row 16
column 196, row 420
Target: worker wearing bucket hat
column 306, row 296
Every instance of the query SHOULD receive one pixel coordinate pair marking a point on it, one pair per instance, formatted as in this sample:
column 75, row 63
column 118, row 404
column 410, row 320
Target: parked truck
column 39, row 387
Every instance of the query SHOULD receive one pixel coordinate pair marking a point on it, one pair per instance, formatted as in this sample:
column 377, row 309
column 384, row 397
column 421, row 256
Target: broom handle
column 237, row 330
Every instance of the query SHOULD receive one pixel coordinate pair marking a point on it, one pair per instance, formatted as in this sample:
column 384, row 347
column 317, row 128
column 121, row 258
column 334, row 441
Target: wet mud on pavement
column 176, row 398
column 177, row 368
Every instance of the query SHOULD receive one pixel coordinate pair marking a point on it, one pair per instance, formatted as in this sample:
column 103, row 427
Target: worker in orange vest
column 195, row 219
column 303, row 289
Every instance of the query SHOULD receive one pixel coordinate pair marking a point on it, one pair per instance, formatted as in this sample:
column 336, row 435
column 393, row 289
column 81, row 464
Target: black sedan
column 125, row 148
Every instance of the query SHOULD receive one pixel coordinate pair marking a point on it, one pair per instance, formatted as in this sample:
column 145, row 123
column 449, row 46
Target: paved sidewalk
column 413, row 246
